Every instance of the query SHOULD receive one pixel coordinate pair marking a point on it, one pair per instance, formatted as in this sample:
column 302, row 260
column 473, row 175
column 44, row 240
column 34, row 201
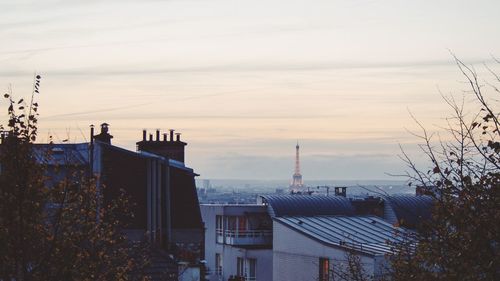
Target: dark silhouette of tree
column 462, row 240
column 58, row 231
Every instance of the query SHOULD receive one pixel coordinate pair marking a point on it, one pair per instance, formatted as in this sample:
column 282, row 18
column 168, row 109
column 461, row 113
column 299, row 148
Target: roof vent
column 57, row 150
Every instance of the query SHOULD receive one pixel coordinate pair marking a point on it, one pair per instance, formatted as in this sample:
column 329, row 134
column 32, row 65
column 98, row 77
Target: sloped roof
column 307, row 205
column 62, row 154
column 410, row 209
column 367, row 234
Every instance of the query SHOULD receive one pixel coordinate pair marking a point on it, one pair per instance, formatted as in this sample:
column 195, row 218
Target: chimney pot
column 144, row 133
column 157, row 135
column 164, row 136
column 150, row 137
column 178, row 136
column 171, row 134
column 104, row 128
column 91, row 134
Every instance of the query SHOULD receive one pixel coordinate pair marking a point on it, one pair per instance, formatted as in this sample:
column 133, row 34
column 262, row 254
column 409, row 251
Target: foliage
column 350, row 269
column 21, row 193
column 462, row 240
column 57, row 229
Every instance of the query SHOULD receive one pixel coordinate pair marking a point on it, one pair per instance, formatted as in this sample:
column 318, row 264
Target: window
column 242, row 223
column 240, row 267
column 324, row 269
column 246, row 268
column 231, row 222
column 218, row 222
column 218, row 264
column 252, row 269
column 219, row 229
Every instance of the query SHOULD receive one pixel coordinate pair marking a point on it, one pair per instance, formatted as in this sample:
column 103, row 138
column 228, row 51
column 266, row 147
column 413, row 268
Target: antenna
column 81, row 132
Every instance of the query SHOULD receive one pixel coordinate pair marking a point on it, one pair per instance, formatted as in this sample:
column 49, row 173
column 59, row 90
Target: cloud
column 237, row 68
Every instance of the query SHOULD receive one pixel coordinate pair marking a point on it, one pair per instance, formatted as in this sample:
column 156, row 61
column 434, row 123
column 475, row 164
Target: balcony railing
column 244, row 237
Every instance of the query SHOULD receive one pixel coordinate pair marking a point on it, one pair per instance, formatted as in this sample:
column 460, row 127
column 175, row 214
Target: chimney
column 91, row 134
column 144, row 133
column 171, row 134
column 171, row 148
column 104, row 136
column 91, row 150
column 341, row 191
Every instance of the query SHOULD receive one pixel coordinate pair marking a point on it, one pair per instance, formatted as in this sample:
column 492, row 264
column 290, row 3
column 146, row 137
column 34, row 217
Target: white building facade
column 238, row 242
column 321, row 254
column 311, row 238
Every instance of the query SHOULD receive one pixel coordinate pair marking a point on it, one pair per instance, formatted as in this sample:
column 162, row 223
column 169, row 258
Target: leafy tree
column 61, row 230
column 462, row 240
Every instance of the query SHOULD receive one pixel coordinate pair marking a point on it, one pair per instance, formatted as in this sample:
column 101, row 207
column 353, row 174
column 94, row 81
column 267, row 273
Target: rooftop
column 368, row 234
column 307, row 205
column 410, row 210
column 62, row 154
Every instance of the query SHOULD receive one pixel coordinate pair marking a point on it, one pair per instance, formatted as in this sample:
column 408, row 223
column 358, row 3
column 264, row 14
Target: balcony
column 244, row 237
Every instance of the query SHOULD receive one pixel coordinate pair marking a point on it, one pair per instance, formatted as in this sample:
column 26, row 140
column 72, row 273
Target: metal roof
column 367, row 234
column 307, row 205
column 78, row 154
column 410, row 209
column 62, row 154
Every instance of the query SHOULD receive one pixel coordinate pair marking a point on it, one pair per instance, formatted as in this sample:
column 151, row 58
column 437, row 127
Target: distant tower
column 297, row 182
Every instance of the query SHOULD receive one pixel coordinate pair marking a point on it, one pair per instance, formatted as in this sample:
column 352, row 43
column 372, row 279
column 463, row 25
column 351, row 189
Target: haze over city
column 244, row 80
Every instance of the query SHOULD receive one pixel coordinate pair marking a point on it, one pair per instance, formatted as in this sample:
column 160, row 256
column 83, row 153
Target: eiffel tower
column 297, row 182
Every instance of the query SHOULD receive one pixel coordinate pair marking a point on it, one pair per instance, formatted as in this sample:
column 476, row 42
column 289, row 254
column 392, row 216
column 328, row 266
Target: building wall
column 208, row 214
column 231, row 253
column 263, row 257
column 296, row 256
column 125, row 171
column 184, row 200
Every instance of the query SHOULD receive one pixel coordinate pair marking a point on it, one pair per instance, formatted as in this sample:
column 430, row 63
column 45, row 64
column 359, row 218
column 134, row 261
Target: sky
column 244, row 80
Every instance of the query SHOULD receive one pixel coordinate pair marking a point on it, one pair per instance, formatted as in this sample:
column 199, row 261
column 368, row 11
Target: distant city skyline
column 243, row 80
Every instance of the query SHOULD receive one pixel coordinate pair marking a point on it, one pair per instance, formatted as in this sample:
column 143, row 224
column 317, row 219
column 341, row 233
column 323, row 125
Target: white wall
column 208, row 214
column 264, row 259
column 229, row 253
column 296, row 256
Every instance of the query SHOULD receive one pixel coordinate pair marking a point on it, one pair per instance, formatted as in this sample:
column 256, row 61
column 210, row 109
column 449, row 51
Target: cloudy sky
column 244, row 80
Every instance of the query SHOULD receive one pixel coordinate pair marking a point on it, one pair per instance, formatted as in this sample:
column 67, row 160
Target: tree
column 462, row 240
column 58, row 231
column 351, row 268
